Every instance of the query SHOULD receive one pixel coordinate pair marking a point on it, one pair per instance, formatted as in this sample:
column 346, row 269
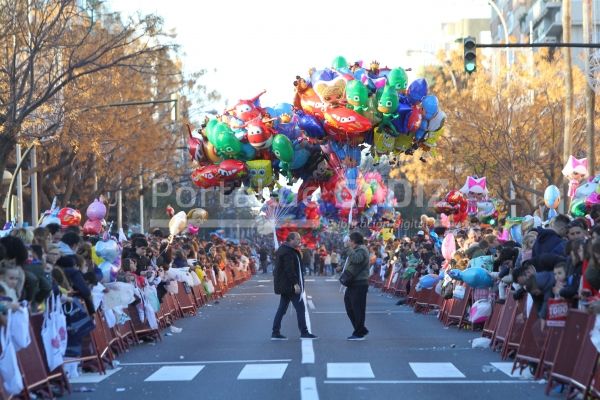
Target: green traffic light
column 470, row 67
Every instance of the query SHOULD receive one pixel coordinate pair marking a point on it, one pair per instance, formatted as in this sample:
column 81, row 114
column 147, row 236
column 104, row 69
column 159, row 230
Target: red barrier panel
column 457, row 310
column 504, row 323
column 516, row 330
column 185, row 299
column 33, row 368
column 572, row 340
column 492, row 322
column 585, row 364
column 58, row 376
column 551, row 341
column 531, row 347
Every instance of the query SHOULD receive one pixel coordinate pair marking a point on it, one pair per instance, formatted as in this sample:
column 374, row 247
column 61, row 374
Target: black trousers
column 355, row 300
column 284, row 303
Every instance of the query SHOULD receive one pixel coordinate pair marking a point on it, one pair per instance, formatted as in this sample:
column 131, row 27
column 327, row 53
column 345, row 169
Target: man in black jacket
column 288, row 280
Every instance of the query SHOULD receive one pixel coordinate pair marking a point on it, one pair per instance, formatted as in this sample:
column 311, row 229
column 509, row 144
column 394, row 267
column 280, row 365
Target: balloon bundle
column 285, row 214
column 64, row 217
column 95, row 222
column 470, row 201
column 106, row 255
column 586, row 196
column 336, row 113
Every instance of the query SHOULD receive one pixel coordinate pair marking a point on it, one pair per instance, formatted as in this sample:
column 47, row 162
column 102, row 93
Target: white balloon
column 178, row 223
column 437, row 122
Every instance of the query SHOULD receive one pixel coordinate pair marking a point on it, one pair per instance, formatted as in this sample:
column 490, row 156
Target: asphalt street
column 226, row 353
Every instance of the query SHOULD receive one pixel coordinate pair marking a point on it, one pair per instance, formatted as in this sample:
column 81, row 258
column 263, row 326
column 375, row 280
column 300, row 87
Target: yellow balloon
column 434, row 137
column 387, row 234
column 260, row 172
column 368, row 196
column 403, row 142
column 97, row 260
column 383, row 142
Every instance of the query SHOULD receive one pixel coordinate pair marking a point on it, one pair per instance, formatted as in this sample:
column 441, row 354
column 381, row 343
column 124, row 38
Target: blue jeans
column 284, row 303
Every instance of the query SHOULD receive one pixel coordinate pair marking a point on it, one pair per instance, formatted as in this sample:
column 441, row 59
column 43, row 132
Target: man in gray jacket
column 355, row 298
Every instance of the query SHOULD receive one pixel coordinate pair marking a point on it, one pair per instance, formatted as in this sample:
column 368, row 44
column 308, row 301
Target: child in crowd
column 560, row 278
column 11, row 280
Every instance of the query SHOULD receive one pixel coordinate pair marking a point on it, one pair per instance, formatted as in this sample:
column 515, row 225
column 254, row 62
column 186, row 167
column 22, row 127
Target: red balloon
column 347, row 120
column 232, row 170
column 69, row 217
column 196, row 147
column 414, row 119
column 92, row 227
column 206, row 177
column 454, row 197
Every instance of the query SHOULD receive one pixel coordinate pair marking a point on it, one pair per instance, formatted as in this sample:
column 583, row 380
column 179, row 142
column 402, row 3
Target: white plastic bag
column 19, row 327
column 60, row 324
column 109, row 317
column 9, row 367
column 480, row 311
column 459, row 292
column 51, row 340
column 150, row 315
column 595, row 334
column 438, row 287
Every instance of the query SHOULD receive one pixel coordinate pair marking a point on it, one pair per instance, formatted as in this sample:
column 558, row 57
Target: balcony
column 541, row 8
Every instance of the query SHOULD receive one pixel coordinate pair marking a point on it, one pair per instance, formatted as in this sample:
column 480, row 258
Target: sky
column 248, row 46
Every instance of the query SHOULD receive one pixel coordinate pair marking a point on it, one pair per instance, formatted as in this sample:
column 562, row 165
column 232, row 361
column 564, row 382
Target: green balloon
column 282, row 148
column 578, row 208
column 218, row 129
column 357, row 95
column 388, row 102
column 227, row 145
column 339, row 62
column 398, row 79
column 210, row 127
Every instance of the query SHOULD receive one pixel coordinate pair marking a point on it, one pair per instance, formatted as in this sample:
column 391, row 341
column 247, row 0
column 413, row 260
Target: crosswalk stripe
column 175, row 373
column 435, row 370
column 262, row 371
column 349, row 370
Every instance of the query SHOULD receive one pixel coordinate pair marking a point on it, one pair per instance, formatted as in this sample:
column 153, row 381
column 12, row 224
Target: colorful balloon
column 417, row 90
column 96, row 210
column 430, row 106
column 357, row 96
column 282, row 148
column 260, row 173
column 177, row 224
column 69, row 217
column 398, row 79
column 92, row 227
column 552, row 197
column 197, row 216
column 339, row 62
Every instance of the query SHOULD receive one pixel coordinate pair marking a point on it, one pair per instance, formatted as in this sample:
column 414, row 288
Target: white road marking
column 311, row 305
column 422, row 382
column 435, row 370
column 506, row 368
column 175, row 373
column 308, row 352
column 308, row 388
column 349, row 370
column 262, row 371
column 368, row 312
column 203, row 362
column 264, row 280
column 309, row 280
column 331, row 280
column 251, row 294
column 94, row 377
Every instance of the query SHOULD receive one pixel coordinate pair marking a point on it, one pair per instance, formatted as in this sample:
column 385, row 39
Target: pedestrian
column 289, row 284
column 355, row 298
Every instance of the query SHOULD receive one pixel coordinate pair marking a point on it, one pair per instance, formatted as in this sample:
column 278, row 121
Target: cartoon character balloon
column 576, row 170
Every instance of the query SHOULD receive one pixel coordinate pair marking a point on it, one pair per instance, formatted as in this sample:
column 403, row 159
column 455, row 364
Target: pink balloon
column 193, row 229
column 92, row 227
column 96, row 210
column 448, row 247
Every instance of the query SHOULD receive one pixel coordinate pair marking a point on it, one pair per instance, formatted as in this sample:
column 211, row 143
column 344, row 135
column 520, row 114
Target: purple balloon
column 417, row 90
column 96, row 210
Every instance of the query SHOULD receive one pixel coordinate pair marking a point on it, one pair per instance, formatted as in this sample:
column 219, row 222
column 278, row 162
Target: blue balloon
column 310, row 125
column 248, row 152
column 428, row 281
column 516, row 234
column 351, row 177
column 476, row 277
column 417, row 90
column 430, row 105
column 290, row 130
column 323, row 75
column 283, row 108
column 301, row 156
column 422, row 131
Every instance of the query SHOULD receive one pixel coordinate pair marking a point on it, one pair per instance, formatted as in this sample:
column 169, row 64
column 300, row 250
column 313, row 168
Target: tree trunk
column 7, row 145
column 589, row 91
column 567, row 138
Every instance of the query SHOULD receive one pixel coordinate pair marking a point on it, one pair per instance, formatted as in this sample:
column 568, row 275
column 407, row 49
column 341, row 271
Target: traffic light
column 470, row 54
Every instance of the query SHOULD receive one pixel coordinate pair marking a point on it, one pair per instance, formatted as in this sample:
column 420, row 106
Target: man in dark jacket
column 355, row 298
column 288, row 280
column 552, row 240
column 68, row 262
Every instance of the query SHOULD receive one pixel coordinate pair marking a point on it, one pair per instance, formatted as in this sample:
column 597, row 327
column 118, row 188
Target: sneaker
column 354, row 337
column 278, row 336
column 308, row 336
